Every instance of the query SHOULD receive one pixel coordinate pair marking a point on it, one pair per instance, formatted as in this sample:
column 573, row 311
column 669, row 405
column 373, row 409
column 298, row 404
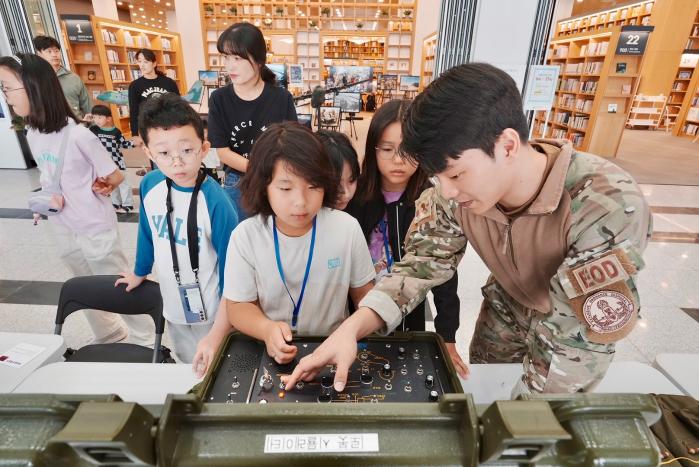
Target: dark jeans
column 230, row 186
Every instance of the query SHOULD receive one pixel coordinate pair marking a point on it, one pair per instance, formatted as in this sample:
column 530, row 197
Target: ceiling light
column 167, row 3
column 130, row 6
column 143, row 16
column 140, row 8
column 160, row 12
column 152, row 19
column 120, row 3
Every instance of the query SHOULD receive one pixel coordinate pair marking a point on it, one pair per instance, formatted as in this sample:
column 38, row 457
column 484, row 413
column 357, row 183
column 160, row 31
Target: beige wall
column 426, row 23
column 74, row 7
column 188, row 25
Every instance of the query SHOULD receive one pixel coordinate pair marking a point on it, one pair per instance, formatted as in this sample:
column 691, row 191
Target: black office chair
column 99, row 293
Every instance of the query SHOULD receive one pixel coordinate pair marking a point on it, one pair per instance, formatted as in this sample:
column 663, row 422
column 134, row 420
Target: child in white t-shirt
column 290, row 266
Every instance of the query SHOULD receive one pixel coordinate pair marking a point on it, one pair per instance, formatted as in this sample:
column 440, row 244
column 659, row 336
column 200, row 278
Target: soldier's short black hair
column 167, row 111
column 467, row 107
column 101, row 110
column 45, row 42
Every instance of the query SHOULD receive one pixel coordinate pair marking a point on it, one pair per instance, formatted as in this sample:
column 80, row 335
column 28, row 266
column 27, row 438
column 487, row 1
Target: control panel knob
column 429, row 381
column 386, row 370
column 434, row 396
column 267, row 385
column 326, row 381
column 401, row 353
column 366, row 378
column 325, row 396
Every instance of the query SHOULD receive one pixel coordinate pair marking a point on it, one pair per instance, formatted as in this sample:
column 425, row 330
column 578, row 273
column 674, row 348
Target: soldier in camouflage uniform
column 561, row 231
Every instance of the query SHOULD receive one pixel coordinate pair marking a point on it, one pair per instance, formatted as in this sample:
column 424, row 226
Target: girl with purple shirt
column 384, row 205
column 84, row 228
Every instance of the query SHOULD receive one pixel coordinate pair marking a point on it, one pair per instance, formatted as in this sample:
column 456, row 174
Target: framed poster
column 541, row 87
column 296, row 75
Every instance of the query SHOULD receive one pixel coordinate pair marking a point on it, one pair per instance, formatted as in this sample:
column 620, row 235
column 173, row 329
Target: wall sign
column 79, row 28
column 541, row 87
column 633, row 40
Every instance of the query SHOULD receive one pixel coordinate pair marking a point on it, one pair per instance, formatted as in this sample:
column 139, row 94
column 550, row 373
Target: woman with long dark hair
column 151, row 83
column 239, row 112
column 384, row 205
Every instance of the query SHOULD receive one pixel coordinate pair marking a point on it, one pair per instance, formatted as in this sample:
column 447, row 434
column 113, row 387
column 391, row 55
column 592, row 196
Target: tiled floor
column 31, row 273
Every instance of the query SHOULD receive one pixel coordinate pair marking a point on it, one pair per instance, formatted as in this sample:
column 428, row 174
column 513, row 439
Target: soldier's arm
column 434, row 246
column 610, row 227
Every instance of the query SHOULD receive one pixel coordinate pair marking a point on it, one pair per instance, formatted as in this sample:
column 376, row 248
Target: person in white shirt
column 292, row 264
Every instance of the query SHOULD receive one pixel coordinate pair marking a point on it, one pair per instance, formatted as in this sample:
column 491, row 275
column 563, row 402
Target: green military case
column 545, row 430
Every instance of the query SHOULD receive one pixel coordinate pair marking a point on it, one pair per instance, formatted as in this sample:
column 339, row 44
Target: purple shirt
column 84, row 212
column 376, row 246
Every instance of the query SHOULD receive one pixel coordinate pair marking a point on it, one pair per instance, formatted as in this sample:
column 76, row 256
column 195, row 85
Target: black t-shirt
column 144, row 88
column 235, row 123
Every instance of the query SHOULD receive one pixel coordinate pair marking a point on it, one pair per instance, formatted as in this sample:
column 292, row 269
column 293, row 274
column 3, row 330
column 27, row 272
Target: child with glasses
column 77, row 174
column 185, row 223
column 384, row 205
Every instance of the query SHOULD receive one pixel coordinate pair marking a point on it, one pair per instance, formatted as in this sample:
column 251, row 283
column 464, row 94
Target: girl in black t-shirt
column 152, row 83
column 239, row 112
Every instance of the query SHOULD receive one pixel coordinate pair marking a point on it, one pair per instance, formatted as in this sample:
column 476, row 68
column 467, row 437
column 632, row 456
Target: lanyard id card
column 192, row 303
column 190, row 294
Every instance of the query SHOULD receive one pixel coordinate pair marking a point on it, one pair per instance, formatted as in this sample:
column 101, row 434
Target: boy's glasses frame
column 169, row 159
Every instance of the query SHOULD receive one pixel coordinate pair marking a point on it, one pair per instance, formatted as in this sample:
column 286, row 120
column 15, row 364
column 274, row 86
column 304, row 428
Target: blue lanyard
column 297, row 305
column 383, row 226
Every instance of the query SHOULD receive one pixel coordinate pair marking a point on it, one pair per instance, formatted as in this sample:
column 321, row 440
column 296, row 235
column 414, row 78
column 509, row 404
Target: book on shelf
column 690, row 129
column 170, row 73
column 123, row 111
column 166, row 59
column 128, row 39
column 166, row 44
column 109, row 37
column 135, row 74
column 626, row 89
column 649, row 7
column 679, row 86
column 112, row 56
column 117, row 74
column 684, row 74
column 624, row 14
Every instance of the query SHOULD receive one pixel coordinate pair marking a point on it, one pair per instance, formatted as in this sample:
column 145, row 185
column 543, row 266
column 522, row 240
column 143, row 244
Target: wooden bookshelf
column 317, row 30
column 111, row 61
column 688, row 110
column 636, row 14
column 595, row 91
column 429, row 50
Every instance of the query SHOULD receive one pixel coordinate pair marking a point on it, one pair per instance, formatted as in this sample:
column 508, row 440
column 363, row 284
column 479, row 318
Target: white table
column 145, row 383
column 492, row 382
column 682, row 369
column 54, row 347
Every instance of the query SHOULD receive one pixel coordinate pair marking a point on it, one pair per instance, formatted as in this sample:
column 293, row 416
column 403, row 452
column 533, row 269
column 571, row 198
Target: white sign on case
column 319, row 443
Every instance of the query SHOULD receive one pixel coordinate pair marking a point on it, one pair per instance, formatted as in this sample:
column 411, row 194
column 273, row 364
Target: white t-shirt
column 341, row 261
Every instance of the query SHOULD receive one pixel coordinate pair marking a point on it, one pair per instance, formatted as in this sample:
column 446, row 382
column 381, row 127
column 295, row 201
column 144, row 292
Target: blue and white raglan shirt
column 216, row 219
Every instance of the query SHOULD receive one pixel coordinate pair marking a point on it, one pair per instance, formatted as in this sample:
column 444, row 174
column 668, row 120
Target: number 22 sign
column 633, row 40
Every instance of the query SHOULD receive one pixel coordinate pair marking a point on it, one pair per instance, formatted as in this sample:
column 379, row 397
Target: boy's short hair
column 340, row 150
column 294, row 145
column 101, row 110
column 167, row 111
column 467, row 107
column 45, row 42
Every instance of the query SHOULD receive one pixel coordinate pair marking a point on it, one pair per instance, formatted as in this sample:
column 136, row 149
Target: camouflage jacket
column 588, row 208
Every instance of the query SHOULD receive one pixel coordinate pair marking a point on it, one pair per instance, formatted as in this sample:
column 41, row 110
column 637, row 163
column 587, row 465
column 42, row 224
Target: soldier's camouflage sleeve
column 434, row 246
column 609, row 216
